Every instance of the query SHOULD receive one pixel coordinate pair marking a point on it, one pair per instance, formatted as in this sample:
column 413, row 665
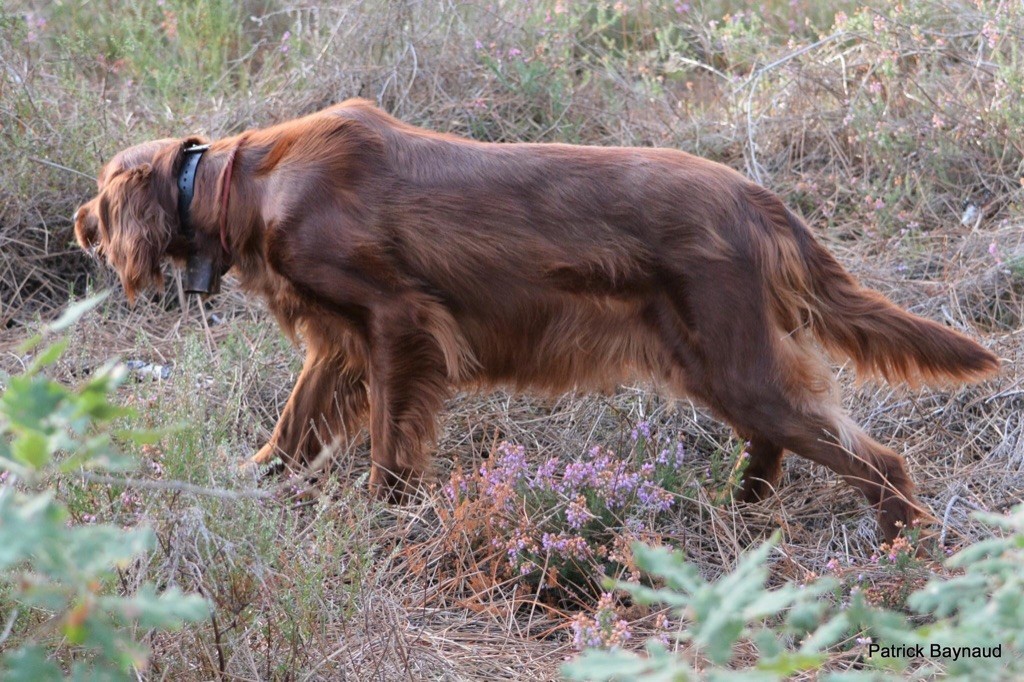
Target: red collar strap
column 225, row 193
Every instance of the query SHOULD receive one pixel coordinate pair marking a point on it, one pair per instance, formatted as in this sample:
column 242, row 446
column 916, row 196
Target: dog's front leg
column 408, row 386
column 400, row 334
column 329, row 402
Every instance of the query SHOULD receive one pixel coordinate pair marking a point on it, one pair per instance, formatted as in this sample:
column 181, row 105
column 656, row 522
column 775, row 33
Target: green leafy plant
column 721, row 614
column 975, row 627
column 56, row 577
column 979, row 607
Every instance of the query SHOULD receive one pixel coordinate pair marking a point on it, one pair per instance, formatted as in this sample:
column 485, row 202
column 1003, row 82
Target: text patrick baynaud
column 949, row 653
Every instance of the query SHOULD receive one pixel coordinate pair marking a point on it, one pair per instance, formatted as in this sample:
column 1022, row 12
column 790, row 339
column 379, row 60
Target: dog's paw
column 260, row 465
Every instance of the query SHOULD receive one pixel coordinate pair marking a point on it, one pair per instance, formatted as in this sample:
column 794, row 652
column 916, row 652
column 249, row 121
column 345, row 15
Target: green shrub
column 793, row 627
column 57, row 578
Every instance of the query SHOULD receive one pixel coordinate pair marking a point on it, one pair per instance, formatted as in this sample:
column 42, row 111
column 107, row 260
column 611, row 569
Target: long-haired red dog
column 414, row 263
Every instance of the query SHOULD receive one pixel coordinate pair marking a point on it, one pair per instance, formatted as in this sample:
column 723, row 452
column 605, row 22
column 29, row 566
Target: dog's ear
column 135, row 226
column 86, row 225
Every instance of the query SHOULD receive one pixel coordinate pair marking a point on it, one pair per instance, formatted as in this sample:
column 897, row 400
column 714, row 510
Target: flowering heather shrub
column 604, row 629
column 565, row 524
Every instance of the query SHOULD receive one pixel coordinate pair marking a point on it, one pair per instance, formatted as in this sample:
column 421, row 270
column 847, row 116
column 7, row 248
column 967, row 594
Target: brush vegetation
column 894, row 129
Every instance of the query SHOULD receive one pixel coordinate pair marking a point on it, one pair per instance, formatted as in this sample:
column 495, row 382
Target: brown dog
column 414, row 263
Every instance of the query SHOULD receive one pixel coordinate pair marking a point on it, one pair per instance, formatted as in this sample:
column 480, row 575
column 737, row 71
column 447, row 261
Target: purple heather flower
column 671, row 457
column 993, row 250
column 546, row 473
column 565, row 546
column 578, row 474
column 508, row 469
column 642, row 429
column 654, row 498
column 604, row 629
column 577, row 513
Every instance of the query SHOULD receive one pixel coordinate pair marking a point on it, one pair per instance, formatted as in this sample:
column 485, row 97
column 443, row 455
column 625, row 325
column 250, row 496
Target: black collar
column 186, row 186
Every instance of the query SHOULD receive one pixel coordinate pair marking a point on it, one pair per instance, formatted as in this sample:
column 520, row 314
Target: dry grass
column 918, row 109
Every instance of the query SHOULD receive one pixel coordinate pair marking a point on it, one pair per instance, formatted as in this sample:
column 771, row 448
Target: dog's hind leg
column 818, row 430
column 763, row 472
column 834, row 441
column 775, row 390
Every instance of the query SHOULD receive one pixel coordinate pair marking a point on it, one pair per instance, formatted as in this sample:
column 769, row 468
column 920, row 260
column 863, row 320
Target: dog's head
column 133, row 220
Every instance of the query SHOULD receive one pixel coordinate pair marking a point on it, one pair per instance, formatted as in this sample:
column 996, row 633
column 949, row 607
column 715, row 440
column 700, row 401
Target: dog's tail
column 856, row 322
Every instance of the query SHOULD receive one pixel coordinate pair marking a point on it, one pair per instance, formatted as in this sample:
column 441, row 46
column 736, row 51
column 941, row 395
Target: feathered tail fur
column 859, row 323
